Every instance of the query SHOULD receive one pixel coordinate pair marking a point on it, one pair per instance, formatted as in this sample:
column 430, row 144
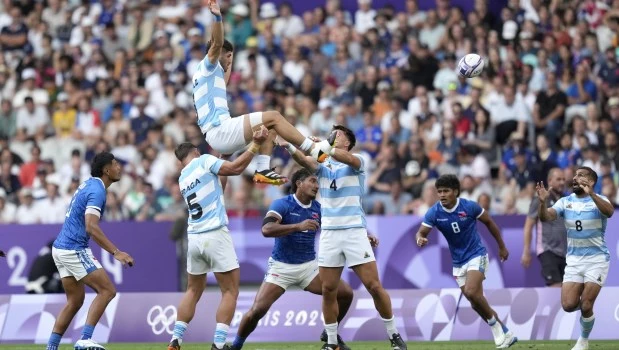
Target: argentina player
column 456, row 218
column 76, row 264
column 209, row 247
column 588, row 259
column 228, row 135
column 293, row 221
column 344, row 237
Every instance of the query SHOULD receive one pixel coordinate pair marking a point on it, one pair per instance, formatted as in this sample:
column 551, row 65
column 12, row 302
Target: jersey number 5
column 194, row 207
column 455, row 227
column 333, row 185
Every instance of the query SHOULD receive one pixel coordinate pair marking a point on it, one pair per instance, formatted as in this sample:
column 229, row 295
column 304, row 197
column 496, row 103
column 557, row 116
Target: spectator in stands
column 32, row 120
column 53, row 207
column 387, row 172
column 28, row 171
column 8, row 120
column 64, row 118
column 549, row 110
column 7, row 209
column 509, row 115
column 27, row 211
column 369, row 138
column 113, row 210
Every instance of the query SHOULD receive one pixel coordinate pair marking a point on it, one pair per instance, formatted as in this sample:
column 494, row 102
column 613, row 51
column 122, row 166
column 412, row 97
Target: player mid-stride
column 588, row 259
column 209, row 246
column 293, row 221
column 76, row 264
column 228, row 135
column 456, row 218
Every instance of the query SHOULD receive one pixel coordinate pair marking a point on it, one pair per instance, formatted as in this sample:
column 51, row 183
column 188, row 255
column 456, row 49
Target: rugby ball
column 471, row 65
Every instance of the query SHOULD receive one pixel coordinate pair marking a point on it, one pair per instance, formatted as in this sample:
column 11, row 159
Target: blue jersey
column 89, row 198
column 297, row 247
column 209, row 94
column 341, row 189
column 459, row 226
column 586, row 226
column 202, row 191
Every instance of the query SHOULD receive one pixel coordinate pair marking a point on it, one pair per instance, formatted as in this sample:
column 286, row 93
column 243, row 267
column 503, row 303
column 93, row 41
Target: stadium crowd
column 79, row 77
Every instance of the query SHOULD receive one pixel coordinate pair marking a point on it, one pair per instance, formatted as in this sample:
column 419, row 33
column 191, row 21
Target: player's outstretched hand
column 214, row 7
column 503, row 253
column 542, row 192
column 373, row 240
column 2, row 255
column 421, row 241
column 260, row 135
column 124, row 258
column 309, row 225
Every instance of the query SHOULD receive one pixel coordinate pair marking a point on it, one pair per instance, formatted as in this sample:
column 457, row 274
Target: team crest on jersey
column 462, row 215
column 569, row 206
column 314, row 215
column 190, row 187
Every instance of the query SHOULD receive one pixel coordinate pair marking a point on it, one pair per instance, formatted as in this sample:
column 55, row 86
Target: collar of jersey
column 98, row 178
column 306, row 206
column 452, row 209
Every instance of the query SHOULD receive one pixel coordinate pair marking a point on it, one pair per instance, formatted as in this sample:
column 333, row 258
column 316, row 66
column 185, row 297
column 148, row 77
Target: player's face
column 341, row 141
column 581, row 177
column 309, row 187
column 114, row 171
column 447, row 196
column 225, row 60
column 558, row 182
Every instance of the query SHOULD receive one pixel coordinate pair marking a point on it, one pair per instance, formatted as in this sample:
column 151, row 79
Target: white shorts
column 75, row 263
column 587, row 272
column 229, row 136
column 212, row 251
column 338, row 247
column 286, row 275
column 479, row 263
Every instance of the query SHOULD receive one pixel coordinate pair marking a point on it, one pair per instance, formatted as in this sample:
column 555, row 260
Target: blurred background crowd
column 79, row 77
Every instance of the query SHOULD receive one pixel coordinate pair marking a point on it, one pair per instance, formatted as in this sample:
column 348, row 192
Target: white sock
column 492, row 321
column 306, row 145
column 331, row 333
column 390, row 326
column 263, row 162
column 221, row 333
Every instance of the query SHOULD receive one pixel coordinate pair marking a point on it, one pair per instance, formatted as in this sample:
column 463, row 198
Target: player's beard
column 577, row 190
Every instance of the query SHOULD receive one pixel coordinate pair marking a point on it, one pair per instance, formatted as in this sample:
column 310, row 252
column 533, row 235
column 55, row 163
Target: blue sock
column 238, row 342
column 505, row 329
column 54, row 341
column 221, row 333
column 88, row 331
column 492, row 321
column 179, row 330
column 586, row 325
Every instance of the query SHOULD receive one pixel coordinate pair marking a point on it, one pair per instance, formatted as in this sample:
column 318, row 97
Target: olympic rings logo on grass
column 162, row 319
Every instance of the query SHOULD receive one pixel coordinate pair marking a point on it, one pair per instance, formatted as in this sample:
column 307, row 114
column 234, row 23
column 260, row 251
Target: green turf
column 545, row 345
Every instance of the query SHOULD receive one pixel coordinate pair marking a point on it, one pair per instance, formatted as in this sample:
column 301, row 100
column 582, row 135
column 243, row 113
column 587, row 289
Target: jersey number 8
column 194, row 207
column 455, row 227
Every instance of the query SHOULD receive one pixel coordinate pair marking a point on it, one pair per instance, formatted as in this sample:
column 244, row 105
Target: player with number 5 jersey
column 209, row 246
column 456, row 218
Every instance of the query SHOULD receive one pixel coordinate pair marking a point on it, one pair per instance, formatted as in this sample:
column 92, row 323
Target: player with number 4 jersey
column 588, row 259
column 456, row 218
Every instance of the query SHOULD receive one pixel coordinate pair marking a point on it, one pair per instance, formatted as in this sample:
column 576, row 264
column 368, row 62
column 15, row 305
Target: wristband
column 217, row 18
column 253, row 149
column 291, row 149
column 115, row 252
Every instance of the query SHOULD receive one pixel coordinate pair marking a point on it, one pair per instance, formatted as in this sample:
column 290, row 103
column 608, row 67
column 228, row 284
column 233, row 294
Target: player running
column 73, row 258
column 209, row 247
column 226, row 134
column 456, row 218
column 588, row 259
column 344, row 237
column 293, row 221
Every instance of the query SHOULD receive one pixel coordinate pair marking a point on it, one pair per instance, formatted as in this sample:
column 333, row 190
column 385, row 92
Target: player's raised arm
column 237, row 166
column 96, row 233
column 307, row 162
column 496, row 233
column 603, row 204
column 545, row 213
column 217, row 32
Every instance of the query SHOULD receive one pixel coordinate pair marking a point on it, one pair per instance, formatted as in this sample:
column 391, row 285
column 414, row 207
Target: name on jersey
column 190, row 187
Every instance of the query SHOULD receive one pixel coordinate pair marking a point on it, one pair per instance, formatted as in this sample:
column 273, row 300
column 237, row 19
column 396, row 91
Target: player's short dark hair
column 591, row 173
column 182, row 151
column 99, row 162
column 227, row 46
column 349, row 135
column 448, row 181
column 299, row 175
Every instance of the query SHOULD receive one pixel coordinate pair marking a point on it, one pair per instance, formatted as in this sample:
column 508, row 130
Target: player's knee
column 231, row 292
column 569, row 305
column 75, row 303
column 258, row 311
column 374, row 288
column 108, row 293
column 270, row 118
column 586, row 306
column 329, row 290
column 471, row 293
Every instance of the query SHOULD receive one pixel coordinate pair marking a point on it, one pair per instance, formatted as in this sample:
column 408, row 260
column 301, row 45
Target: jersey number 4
column 194, row 207
column 333, row 185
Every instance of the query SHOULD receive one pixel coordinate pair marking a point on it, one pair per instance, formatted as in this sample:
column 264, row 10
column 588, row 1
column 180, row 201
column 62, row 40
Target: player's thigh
column 356, row 247
column 100, row 282
column 221, row 253
column 196, row 283
column 478, row 263
column 252, row 121
column 330, row 276
column 75, row 263
column 228, row 137
column 473, row 286
column 74, row 290
column 368, row 275
column 570, row 294
column 266, row 296
column 330, row 249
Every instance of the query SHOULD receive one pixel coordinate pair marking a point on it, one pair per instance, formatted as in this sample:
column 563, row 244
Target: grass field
column 545, row 345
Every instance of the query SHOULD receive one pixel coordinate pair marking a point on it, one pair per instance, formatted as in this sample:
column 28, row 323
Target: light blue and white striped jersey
column 203, row 194
column 586, row 227
column 209, row 94
column 341, row 189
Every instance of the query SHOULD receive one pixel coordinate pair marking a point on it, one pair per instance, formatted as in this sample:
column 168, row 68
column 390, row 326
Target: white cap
column 87, row 22
column 194, row 31
column 325, row 103
column 28, row 73
column 510, row 28
column 159, row 34
column 613, row 102
column 62, row 97
column 240, row 10
column 268, row 10
column 139, row 100
column 383, row 85
column 53, row 179
column 26, row 191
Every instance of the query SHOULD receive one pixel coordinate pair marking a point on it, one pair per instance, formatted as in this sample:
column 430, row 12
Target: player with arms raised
column 588, row 259
column 456, row 218
column 344, row 237
column 73, row 258
column 293, row 221
column 209, row 246
column 228, row 135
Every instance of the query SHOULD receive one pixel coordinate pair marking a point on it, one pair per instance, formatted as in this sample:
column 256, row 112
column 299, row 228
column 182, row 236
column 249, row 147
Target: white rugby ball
column 471, row 65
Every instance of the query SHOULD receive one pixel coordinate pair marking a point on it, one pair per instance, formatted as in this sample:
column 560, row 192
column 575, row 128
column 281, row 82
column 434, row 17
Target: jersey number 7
column 194, row 207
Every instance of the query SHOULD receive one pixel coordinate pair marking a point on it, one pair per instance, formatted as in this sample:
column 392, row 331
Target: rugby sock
column 505, row 329
column 492, row 321
column 238, row 342
column 586, row 325
column 54, row 341
column 221, row 333
column 179, row 330
column 390, row 326
column 331, row 333
column 306, row 145
column 263, row 162
column 87, row 331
